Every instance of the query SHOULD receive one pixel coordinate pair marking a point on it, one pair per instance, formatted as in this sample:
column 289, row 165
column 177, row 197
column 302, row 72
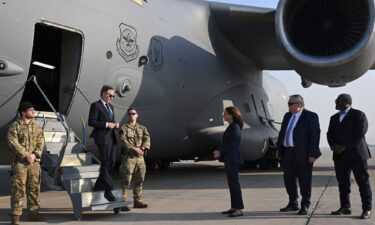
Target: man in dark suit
column 346, row 137
column 102, row 119
column 298, row 148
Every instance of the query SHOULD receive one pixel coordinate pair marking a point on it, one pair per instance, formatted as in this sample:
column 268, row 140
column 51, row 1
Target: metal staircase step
column 109, row 206
column 51, row 125
column 76, row 159
column 58, row 136
column 43, row 114
column 72, row 147
column 75, row 176
column 97, row 198
column 79, row 185
column 80, row 169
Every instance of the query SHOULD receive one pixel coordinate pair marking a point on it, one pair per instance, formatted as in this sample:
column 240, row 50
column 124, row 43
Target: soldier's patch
column 127, row 43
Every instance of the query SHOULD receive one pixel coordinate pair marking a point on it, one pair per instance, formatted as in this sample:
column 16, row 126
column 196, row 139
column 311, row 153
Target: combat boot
column 139, row 204
column 15, row 220
column 125, row 194
column 35, row 217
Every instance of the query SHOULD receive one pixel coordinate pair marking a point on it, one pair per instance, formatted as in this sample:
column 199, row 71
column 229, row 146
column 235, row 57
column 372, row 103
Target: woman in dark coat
column 232, row 156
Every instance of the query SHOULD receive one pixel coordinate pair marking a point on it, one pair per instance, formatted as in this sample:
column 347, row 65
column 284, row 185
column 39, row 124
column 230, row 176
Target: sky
column 321, row 98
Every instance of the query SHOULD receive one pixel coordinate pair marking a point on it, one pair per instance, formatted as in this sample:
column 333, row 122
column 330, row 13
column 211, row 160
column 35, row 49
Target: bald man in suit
column 346, row 137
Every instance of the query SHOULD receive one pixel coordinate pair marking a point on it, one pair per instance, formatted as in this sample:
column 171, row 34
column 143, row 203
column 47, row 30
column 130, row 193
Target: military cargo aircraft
column 179, row 62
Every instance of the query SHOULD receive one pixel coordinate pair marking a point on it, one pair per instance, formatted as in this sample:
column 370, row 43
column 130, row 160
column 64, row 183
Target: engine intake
column 328, row 41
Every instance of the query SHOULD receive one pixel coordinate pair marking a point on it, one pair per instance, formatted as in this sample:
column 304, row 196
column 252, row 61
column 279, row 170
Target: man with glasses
column 346, row 137
column 298, row 148
column 135, row 141
column 102, row 119
column 26, row 141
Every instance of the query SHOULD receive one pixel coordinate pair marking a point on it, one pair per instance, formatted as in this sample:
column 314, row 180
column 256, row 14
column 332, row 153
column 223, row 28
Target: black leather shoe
column 342, row 211
column 125, row 208
column 229, row 211
column 302, row 211
column 289, row 208
column 366, row 214
column 236, row 213
column 109, row 196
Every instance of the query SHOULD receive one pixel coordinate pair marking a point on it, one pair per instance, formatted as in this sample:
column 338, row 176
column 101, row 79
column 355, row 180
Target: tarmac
column 196, row 193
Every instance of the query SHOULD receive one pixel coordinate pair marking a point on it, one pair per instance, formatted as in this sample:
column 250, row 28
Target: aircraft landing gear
column 156, row 165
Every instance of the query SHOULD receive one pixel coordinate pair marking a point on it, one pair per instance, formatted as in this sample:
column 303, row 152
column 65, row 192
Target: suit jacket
column 231, row 145
column 306, row 136
column 98, row 117
column 349, row 133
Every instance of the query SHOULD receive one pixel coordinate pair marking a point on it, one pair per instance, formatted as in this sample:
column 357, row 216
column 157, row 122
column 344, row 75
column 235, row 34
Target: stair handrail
column 62, row 151
column 81, row 92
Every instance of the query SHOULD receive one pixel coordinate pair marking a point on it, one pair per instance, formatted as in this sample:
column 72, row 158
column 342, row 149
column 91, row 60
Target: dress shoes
column 109, row 196
column 342, row 211
column 229, row 211
column 289, row 208
column 125, row 208
column 302, row 211
column 366, row 214
column 236, row 213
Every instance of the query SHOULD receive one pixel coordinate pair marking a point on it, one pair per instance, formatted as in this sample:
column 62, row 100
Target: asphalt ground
column 196, row 193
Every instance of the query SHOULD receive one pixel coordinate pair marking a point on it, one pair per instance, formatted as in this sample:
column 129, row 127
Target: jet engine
column 329, row 42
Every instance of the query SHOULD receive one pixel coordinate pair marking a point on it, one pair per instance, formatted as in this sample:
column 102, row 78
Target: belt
column 289, row 148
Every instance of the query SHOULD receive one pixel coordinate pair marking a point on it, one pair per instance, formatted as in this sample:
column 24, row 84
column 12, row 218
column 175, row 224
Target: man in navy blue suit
column 298, row 148
column 346, row 137
column 102, row 119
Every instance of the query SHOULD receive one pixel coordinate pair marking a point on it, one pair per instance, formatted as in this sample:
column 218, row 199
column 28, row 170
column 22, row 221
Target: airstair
column 66, row 165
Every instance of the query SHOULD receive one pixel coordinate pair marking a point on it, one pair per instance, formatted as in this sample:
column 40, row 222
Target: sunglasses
column 292, row 103
column 111, row 96
column 132, row 114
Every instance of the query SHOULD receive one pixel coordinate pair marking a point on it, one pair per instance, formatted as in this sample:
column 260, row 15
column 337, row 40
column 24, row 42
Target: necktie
column 341, row 115
column 288, row 139
column 109, row 111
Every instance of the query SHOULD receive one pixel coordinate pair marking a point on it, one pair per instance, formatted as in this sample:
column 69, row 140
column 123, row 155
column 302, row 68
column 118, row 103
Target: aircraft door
column 55, row 62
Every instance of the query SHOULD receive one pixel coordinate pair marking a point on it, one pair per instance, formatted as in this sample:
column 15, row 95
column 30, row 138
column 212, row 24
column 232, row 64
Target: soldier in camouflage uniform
column 26, row 142
column 135, row 141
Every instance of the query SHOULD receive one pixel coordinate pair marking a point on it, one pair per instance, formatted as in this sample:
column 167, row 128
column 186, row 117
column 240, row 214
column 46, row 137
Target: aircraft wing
column 251, row 30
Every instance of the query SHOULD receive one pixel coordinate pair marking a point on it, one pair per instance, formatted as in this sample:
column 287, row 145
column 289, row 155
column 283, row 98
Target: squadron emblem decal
column 155, row 54
column 127, row 43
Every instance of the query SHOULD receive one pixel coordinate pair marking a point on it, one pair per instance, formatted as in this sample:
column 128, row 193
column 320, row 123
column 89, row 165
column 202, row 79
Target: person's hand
column 112, row 125
column 278, row 156
column 217, row 154
column 30, row 158
column 139, row 151
column 311, row 160
column 339, row 149
column 117, row 125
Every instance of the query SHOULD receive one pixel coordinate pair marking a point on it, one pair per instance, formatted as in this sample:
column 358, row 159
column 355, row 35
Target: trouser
column 133, row 169
column 294, row 169
column 232, row 171
column 107, row 154
column 25, row 178
column 343, row 167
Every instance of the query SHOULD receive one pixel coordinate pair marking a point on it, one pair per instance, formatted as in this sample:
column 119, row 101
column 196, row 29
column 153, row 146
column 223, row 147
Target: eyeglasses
column 111, row 96
column 292, row 103
column 132, row 114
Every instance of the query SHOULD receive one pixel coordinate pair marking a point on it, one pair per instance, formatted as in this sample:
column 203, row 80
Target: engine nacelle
column 327, row 42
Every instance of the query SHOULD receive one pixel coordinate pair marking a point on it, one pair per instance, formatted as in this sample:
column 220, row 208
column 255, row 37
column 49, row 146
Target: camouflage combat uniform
column 25, row 139
column 133, row 167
